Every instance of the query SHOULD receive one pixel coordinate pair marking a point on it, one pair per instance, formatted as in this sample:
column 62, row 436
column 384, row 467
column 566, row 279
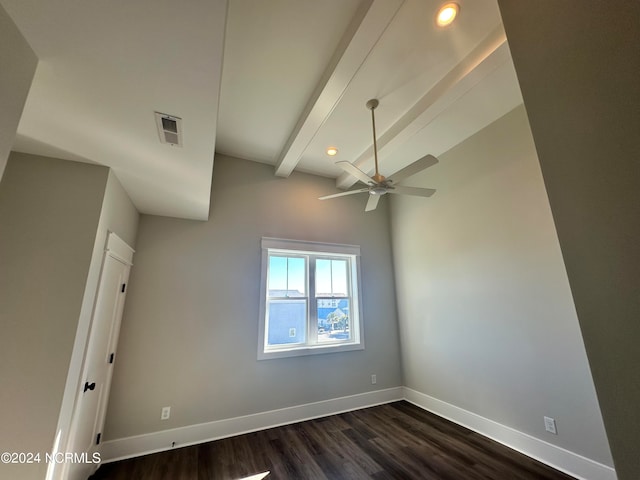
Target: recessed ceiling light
column 447, row 14
column 332, row 151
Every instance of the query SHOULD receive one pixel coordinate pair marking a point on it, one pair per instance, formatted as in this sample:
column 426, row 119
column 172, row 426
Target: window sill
column 308, row 350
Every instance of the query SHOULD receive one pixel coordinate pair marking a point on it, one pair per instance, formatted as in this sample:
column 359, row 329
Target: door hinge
column 98, row 439
column 111, row 358
column 124, row 285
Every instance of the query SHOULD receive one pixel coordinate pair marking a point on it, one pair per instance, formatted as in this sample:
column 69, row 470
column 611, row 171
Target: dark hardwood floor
column 391, row 442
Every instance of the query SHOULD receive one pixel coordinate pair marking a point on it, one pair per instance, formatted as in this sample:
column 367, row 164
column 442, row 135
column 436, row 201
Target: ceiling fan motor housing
column 373, row 103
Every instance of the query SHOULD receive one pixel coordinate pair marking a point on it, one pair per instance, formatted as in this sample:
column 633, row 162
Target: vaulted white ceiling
column 273, row 81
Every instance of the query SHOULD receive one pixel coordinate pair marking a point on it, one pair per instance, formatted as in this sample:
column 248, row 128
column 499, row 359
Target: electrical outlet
column 550, row 425
column 166, row 413
column 374, row 379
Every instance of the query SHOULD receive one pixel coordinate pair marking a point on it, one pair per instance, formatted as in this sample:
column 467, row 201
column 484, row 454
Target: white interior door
column 91, row 404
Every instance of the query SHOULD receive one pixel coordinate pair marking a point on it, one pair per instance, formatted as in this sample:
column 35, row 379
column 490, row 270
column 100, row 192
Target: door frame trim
column 107, row 243
column 118, row 249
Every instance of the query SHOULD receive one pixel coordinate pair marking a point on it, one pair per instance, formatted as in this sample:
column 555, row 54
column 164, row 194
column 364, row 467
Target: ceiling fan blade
column 417, row 166
column 372, row 203
column 342, row 194
column 421, row 192
column 355, row 171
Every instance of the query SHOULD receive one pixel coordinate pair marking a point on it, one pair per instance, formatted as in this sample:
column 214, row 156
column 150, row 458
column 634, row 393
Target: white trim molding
column 552, row 455
column 118, row 249
column 304, row 246
column 556, row 457
column 129, row 447
column 308, row 343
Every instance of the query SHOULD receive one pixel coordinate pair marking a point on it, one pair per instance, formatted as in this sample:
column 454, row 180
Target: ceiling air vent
column 169, row 129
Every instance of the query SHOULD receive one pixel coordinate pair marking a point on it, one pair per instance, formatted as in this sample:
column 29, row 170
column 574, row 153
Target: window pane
column 297, row 276
column 287, row 322
column 339, row 278
column 331, row 278
column 287, row 276
column 333, row 319
column 277, row 274
column 323, row 277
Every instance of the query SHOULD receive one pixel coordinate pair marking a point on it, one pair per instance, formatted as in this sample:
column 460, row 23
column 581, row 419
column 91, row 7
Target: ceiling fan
column 379, row 185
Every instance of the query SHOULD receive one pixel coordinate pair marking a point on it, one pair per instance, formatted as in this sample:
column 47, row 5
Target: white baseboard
column 193, row 434
column 552, row 455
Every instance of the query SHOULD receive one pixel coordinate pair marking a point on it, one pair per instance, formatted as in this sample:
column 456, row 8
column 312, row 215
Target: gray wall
column 118, row 215
column 486, row 317
column 190, row 328
column 578, row 64
column 18, row 67
column 49, row 213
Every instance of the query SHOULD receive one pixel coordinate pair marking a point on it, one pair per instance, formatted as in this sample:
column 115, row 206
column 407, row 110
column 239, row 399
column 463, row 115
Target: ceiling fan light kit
column 378, row 190
column 378, row 185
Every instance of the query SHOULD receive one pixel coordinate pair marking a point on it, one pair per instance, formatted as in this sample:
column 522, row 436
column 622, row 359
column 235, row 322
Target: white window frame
column 311, row 347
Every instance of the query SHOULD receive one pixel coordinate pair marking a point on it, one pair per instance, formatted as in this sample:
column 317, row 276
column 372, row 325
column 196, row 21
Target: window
column 309, row 299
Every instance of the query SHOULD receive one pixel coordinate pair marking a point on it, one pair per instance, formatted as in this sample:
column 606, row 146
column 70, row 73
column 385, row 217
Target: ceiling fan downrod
column 371, row 105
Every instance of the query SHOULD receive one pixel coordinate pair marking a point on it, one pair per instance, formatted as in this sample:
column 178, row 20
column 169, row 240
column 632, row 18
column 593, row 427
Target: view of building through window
column 289, row 306
column 309, row 300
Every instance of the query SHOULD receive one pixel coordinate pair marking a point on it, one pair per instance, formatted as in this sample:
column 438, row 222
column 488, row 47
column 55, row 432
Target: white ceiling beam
column 364, row 31
column 480, row 62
